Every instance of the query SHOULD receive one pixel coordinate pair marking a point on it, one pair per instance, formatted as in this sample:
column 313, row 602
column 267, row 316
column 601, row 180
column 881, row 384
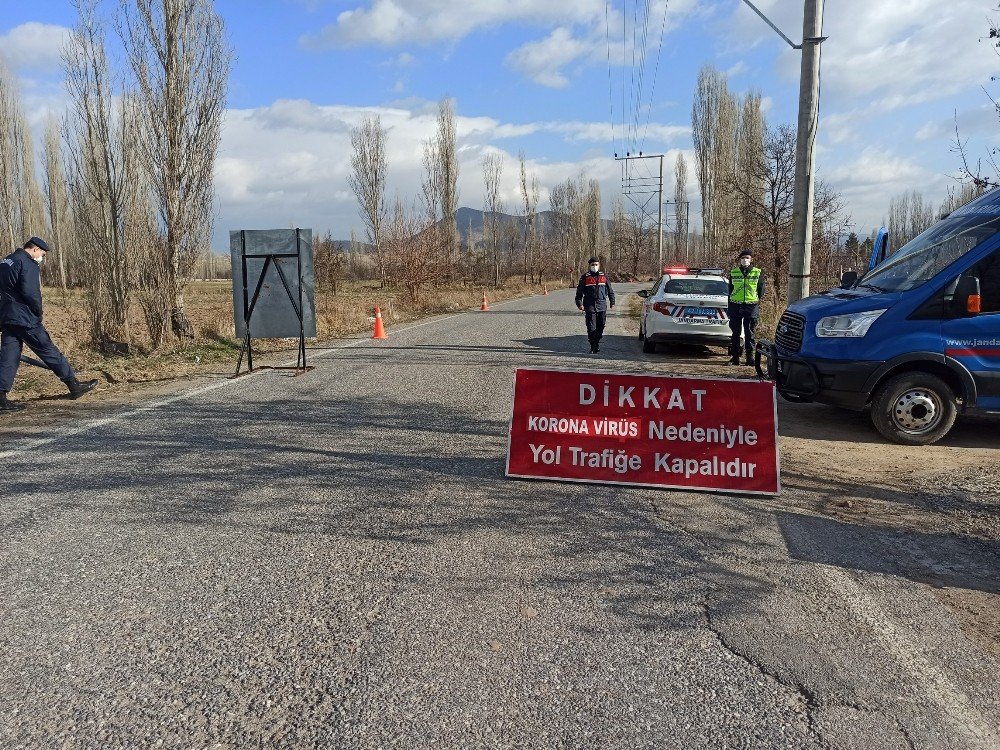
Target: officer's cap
column 594, row 259
column 39, row 243
column 746, row 253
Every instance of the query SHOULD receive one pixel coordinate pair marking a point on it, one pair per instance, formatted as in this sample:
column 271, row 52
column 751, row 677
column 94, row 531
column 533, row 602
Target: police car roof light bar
column 683, row 269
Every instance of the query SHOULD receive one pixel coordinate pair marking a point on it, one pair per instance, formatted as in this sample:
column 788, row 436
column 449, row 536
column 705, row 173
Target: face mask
column 594, row 266
column 745, row 262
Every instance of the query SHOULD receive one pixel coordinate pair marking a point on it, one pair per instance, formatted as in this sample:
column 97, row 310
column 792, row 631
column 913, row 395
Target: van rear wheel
column 914, row 408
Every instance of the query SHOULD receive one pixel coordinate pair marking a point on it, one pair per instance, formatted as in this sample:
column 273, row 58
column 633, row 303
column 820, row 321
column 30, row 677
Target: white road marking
column 953, row 705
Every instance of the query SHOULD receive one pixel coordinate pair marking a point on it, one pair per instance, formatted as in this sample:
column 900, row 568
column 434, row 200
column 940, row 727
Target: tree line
column 127, row 191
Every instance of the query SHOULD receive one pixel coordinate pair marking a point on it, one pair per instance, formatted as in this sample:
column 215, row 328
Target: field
column 215, row 348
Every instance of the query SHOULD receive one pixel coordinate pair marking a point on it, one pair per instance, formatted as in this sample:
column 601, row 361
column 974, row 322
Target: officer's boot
column 7, row 405
column 77, row 389
column 749, row 359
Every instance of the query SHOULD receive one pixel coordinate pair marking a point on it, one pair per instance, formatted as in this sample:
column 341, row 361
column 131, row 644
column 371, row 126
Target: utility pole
column 799, row 259
column 633, row 186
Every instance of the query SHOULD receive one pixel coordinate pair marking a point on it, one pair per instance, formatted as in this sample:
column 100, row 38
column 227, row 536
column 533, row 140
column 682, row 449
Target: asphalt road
column 336, row 561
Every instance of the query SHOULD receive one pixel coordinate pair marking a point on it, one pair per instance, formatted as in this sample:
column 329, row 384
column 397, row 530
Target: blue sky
column 533, row 76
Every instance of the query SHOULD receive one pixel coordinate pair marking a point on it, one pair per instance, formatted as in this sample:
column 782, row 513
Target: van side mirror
column 643, row 293
column 967, row 301
column 849, row 279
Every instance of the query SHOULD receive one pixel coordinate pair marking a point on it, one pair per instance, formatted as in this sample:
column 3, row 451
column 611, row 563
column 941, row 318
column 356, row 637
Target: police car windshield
column 930, row 252
column 703, row 287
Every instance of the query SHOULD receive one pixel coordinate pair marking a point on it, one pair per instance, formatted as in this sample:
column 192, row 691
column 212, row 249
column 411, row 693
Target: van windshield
column 930, row 252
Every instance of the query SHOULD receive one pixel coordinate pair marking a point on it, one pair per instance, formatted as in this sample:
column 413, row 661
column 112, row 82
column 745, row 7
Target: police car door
column 975, row 340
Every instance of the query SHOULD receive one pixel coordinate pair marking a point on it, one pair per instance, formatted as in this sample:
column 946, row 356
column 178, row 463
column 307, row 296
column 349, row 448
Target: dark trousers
column 743, row 321
column 595, row 325
column 12, row 341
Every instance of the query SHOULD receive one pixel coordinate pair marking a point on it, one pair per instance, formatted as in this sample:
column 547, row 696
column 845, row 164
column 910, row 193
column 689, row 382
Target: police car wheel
column 642, row 334
column 915, row 408
column 648, row 346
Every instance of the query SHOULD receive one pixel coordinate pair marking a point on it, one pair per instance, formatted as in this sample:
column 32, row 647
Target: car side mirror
column 849, row 279
column 643, row 293
column 967, row 301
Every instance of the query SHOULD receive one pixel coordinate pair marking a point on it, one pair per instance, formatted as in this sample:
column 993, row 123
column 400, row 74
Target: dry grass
column 215, row 348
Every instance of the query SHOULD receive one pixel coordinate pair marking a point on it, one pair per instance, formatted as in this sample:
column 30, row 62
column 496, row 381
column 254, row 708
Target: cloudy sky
column 566, row 82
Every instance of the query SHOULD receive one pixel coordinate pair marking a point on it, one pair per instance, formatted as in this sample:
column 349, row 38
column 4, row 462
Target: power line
column 631, row 88
column 611, row 99
column 642, row 68
column 656, row 72
column 624, row 37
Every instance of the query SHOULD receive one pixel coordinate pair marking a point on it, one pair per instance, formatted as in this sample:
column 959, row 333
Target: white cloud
column 977, row 121
column 34, row 46
column 896, row 53
column 738, row 69
column 392, row 22
column 869, row 181
column 541, row 61
column 876, row 166
column 288, row 163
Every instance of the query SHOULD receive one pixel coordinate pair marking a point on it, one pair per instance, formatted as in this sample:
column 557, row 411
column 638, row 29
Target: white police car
column 686, row 306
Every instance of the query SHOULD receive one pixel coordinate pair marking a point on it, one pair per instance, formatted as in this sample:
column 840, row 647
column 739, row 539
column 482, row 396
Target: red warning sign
column 687, row 433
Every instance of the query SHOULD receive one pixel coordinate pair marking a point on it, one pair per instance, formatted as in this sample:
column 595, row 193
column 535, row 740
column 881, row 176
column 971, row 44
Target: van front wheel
column 915, row 408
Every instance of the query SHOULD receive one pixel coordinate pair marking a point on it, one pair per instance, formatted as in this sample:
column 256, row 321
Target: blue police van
column 916, row 339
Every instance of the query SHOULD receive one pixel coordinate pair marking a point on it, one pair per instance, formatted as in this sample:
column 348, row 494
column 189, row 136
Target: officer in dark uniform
column 746, row 288
column 21, row 323
column 595, row 297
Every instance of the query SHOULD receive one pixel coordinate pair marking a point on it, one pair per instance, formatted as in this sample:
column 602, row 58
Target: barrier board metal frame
column 250, row 301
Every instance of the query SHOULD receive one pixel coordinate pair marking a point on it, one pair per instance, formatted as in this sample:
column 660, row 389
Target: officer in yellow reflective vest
column 746, row 289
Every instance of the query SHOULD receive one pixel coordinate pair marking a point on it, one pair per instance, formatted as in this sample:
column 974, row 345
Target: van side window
column 988, row 271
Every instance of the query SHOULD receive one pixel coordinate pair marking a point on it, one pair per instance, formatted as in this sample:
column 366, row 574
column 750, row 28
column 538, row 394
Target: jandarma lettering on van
column 972, row 342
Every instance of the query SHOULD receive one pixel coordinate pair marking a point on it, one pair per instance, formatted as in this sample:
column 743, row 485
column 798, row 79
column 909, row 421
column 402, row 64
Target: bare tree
column 959, row 197
column 493, row 206
column 408, row 248
column 440, row 189
column 909, row 215
column 714, row 124
column 749, row 181
column 529, row 199
column 765, row 195
column 367, row 180
column 32, row 208
column 23, row 213
column 10, row 114
column 180, row 60
column 680, row 206
column 145, row 245
column 57, row 200
column 97, row 176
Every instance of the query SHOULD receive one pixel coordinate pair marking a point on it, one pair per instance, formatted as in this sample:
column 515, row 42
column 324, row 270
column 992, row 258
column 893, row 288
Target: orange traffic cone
column 484, row 307
column 379, row 328
column 545, row 290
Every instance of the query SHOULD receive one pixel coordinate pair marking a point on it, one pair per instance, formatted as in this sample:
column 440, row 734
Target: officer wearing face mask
column 21, row 323
column 595, row 297
column 746, row 289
